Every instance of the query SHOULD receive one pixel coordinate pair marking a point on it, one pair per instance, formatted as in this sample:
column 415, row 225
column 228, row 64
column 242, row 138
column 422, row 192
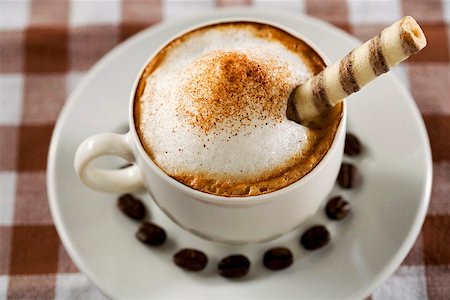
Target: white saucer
column 389, row 207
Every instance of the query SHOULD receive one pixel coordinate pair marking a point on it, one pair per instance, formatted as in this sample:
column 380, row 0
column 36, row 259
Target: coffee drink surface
column 210, row 109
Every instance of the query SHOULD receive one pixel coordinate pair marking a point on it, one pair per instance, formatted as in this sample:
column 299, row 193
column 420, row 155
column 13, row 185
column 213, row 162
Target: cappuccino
column 210, row 109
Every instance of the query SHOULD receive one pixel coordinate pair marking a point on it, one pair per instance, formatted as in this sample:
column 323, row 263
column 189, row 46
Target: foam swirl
column 213, row 110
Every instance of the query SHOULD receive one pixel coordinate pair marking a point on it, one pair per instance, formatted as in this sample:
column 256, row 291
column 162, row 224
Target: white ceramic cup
column 236, row 220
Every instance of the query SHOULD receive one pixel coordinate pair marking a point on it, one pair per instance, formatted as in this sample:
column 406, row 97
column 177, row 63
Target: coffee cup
column 224, row 211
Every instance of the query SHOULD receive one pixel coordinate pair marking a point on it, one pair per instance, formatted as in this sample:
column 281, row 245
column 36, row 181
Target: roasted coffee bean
column 337, row 208
column 352, row 145
column 151, row 234
column 234, row 266
column 315, row 237
column 131, row 206
column 190, row 259
column 278, row 258
column 348, row 176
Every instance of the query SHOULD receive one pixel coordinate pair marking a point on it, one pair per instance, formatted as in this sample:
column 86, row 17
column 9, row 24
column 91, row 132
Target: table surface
column 46, row 47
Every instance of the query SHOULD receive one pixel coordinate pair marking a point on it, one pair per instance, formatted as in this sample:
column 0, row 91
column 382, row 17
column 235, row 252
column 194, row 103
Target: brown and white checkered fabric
column 47, row 45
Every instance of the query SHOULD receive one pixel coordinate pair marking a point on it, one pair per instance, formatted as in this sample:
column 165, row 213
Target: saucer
column 388, row 208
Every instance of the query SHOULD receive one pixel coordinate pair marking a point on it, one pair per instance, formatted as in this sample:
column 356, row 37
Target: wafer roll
column 365, row 63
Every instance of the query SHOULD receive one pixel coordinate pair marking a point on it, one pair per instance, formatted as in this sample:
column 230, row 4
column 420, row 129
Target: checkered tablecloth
column 46, row 46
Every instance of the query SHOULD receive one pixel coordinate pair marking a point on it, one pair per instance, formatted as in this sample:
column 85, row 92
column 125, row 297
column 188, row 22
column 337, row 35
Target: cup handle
column 112, row 181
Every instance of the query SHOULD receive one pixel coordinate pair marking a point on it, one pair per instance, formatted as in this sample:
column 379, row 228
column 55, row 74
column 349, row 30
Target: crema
column 210, row 109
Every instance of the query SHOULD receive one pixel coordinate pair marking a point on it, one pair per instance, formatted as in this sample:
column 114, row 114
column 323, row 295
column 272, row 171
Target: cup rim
column 232, row 200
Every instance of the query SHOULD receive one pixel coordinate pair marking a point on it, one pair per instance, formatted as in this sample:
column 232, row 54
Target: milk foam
column 242, row 145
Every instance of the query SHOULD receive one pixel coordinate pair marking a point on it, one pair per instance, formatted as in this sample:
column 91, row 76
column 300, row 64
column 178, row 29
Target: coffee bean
column 190, row 259
column 315, row 237
column 151, row 234
column 352, row 145
column 278, row 258
column 131, row 206
column 348, row 176
column 234, row 266
column 337, row 208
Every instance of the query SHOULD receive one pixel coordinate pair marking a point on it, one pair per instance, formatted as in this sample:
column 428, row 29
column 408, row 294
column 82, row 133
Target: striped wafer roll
column 365, row 63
